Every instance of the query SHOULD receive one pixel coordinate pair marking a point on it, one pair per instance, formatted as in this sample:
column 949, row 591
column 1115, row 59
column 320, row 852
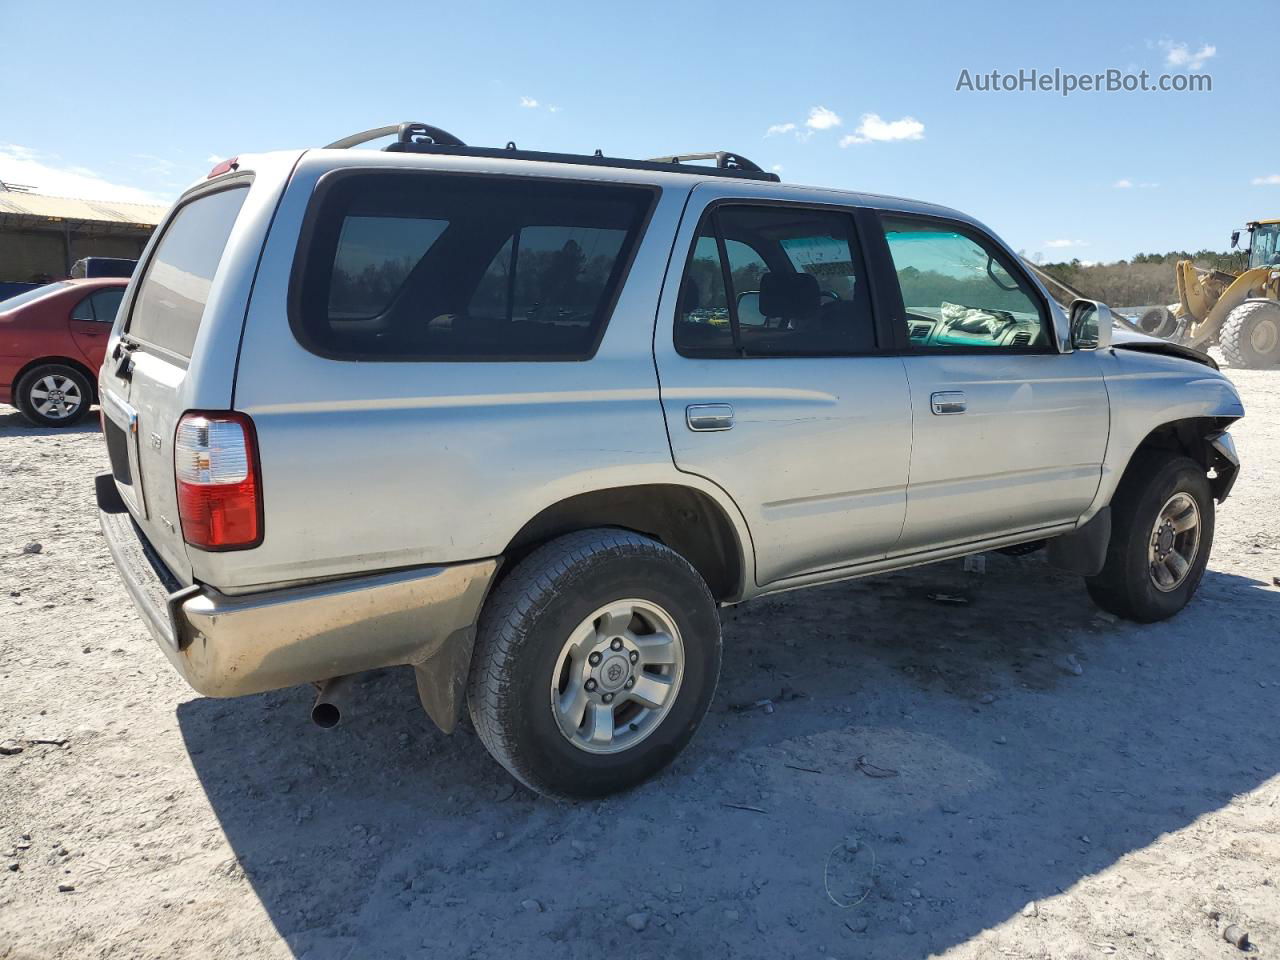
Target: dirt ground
column 1016, row 777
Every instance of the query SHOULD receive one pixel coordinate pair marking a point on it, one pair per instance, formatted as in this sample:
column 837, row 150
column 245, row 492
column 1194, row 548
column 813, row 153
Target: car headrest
column 792, row 295
column 690, row 295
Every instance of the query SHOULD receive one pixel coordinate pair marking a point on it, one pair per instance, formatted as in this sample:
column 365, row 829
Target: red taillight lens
column 215, row 462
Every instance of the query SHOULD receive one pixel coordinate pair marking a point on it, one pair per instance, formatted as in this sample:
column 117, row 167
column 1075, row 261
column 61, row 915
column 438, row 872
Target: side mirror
column 1235, row 239
column 1091, row 324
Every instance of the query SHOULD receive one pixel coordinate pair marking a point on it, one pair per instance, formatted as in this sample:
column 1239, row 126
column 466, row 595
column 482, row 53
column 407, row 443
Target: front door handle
column 708, row 417
column 948, row 401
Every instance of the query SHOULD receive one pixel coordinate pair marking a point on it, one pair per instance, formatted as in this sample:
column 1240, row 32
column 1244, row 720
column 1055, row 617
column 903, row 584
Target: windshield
column 13, row 303
column 1263, row 250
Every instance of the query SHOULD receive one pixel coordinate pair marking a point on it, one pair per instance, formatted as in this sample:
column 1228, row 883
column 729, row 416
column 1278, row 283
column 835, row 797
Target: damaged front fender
column 1225, row 465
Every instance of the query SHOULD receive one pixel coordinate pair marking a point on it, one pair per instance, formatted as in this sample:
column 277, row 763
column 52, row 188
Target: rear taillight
column 215, row 462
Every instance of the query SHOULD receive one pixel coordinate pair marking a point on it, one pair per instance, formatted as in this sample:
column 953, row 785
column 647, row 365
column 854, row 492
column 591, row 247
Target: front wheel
column 1250, row 335
column 596, row 659
column 1161, row 535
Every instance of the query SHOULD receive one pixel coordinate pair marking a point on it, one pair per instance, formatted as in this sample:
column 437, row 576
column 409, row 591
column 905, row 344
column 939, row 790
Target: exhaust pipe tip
column 326, row 716
column 332, row 702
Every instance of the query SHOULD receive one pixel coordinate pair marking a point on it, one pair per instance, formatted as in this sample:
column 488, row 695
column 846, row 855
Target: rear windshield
column 426, row 266
column 14, row 302
column 172, row 296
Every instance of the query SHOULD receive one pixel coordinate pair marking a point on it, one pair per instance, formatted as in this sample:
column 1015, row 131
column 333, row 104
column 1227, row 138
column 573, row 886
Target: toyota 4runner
column 525, row 421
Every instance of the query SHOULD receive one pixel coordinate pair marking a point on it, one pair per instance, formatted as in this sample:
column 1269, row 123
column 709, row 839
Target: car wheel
column 1250, row 335
column 1161, row 535
column 596, row 659
column 54, row 395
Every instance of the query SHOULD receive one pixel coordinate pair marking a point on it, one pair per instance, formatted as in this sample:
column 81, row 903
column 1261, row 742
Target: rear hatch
column 147, row 377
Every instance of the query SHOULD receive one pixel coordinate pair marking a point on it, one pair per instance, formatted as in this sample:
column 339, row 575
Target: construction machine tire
column 1157, row 322
column 1250, row 335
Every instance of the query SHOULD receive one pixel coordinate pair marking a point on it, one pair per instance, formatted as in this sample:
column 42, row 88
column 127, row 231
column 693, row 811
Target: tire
column 528, row 669
column 1158, row 486
column 53, row 395
column 1250, row 335
column 1157, row 322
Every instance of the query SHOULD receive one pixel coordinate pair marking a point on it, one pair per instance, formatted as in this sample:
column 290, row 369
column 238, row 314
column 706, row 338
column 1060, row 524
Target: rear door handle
column 948, row 401
column 708, row 417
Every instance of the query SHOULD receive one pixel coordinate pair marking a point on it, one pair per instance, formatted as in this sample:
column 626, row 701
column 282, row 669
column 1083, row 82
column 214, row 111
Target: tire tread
column 1231, row 337
column 537, row 581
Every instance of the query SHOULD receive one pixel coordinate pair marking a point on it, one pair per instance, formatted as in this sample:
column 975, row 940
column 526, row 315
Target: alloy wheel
column 617, row 676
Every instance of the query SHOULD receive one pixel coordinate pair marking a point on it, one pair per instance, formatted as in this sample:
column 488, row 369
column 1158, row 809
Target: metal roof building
column 41, row 236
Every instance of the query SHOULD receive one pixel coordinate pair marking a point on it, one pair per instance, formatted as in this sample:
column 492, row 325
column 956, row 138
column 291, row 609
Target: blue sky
column 129, row 100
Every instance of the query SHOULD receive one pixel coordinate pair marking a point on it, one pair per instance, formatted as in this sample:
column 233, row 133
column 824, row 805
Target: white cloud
column 46, row 173
column 1059, row 244
column 1123, row 184
column 778, row 128
column 873, row 128
column 528, row 102
column 214, row 159
column 776, row 168
column 553, row 109
column 820, row 118
column 1182, row 56
column 1271, row 180
column 1147, row 186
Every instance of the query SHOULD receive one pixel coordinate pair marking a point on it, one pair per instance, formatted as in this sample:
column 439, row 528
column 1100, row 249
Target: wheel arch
column 1193, row 437
column 690, row 521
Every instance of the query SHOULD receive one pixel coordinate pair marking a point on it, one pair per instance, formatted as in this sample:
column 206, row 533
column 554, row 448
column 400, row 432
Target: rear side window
column 427, row 266
column 774, row 281
column 100, row 306
column 175, row 288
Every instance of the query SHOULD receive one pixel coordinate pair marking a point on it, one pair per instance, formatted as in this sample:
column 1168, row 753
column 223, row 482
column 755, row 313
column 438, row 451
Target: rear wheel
column 1250, row 336
column 596, row 659
column 53, row 395
column 1161, row 535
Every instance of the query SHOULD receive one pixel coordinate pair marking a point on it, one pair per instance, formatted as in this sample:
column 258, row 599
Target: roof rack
column 404, row 132
column 723, row 158
column 424, row 138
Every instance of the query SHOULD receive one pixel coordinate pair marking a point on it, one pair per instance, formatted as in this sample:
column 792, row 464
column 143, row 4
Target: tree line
column 1146, row 279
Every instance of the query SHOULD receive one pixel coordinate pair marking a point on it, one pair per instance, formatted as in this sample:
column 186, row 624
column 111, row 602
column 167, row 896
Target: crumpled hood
column 1123, row 338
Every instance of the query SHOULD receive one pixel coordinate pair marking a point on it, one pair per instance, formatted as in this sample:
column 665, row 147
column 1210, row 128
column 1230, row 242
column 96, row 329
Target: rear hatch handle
column 123, row 356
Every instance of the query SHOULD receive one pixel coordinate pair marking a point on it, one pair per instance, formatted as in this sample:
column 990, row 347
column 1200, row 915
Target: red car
column 52, row 340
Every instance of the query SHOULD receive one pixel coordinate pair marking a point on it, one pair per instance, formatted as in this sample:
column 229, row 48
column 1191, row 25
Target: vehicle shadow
column 987, row 740
column 11, row 420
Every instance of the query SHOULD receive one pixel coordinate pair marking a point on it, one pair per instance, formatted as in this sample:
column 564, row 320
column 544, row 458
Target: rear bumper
column 226, row 646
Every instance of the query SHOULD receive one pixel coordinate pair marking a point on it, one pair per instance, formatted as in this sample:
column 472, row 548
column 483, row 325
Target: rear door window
column 446, row 267
column 175, row 288
column 774, row 281
column 100, row 306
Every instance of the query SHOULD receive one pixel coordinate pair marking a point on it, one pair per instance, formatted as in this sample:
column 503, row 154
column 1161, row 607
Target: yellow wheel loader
column 1240, row 312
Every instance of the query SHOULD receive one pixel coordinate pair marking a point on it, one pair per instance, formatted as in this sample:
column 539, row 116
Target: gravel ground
column 1017, row 777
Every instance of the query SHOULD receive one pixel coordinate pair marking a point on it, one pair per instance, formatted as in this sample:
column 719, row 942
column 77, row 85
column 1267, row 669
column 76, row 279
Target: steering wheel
column 829, row 293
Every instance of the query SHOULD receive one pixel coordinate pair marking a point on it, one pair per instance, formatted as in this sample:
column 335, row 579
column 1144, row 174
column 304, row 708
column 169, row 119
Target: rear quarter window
column 431, row 266
column 171, row 297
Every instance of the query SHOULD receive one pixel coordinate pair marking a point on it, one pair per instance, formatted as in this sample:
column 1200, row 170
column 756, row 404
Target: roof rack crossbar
column 723, row 158
column 403, row 132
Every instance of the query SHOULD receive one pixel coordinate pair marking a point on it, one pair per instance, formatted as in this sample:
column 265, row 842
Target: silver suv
column 526, row 422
